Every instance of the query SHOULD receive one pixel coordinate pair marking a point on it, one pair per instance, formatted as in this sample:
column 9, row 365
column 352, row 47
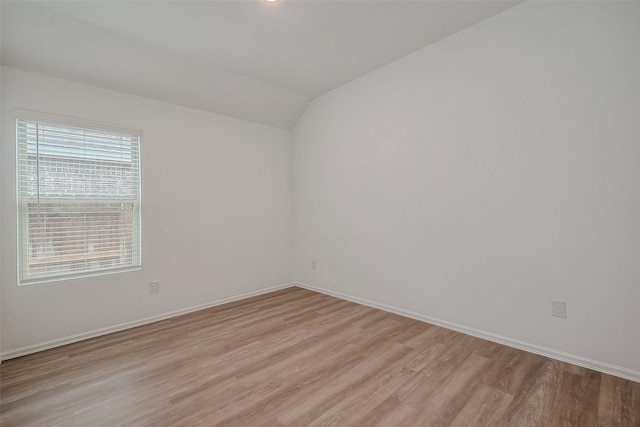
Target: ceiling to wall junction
column 247, row 59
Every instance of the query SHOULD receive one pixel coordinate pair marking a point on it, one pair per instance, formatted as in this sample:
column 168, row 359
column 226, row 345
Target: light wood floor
column 298, row 358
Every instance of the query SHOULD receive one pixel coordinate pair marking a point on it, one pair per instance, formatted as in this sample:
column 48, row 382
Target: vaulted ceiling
column 244, row 58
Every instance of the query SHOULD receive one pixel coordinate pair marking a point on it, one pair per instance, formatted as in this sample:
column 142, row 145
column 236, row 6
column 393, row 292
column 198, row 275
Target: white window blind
column 78, row 198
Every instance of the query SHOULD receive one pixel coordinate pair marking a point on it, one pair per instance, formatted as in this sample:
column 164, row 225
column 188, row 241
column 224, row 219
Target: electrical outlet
column 154, row 287
column 559, row 309
column 313, row 264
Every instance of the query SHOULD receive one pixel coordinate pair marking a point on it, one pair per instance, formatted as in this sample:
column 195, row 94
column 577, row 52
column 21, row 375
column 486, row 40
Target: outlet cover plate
column 559, row 309
column 154, row 287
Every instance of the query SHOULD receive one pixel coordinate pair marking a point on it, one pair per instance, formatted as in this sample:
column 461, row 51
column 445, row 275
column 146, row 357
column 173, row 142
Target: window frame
column 22, row 202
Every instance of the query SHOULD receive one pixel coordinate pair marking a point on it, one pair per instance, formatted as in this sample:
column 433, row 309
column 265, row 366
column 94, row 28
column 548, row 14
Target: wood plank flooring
column 299, row 358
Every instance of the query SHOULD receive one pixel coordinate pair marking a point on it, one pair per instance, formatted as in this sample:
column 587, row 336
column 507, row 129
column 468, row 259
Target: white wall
column 216, row 213
column 1, row 116
column 480, row 177
column 470, row 182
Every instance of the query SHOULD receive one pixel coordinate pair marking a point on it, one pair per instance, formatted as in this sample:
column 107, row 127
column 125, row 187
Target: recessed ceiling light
column 271, row 1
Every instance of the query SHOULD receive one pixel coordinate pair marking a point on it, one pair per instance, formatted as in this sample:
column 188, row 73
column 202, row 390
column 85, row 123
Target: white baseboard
column 127, row 325
column 532, row 348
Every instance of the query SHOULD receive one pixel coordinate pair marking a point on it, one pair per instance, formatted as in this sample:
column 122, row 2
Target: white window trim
column 36, row 116
column 41, row 117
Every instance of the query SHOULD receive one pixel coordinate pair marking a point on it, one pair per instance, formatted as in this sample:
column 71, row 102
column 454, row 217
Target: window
column 78, row 198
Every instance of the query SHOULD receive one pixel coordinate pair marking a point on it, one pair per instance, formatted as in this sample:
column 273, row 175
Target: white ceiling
column 243, row 58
